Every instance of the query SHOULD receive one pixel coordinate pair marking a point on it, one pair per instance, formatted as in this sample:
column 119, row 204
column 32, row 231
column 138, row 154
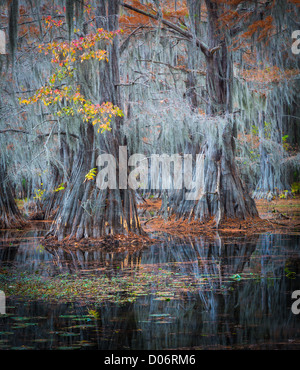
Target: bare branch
column 38, row 135
column 126, row 42
column 177, row 68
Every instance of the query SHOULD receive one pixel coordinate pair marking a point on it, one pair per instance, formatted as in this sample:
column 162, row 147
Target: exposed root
column 12, row 223
column 108, row 243
column 264, row 223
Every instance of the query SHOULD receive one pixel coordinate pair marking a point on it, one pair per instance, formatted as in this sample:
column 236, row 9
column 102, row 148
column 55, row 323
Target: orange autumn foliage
column 131, row 20
column 263, row 28
column 269, row 75
column 295, row 2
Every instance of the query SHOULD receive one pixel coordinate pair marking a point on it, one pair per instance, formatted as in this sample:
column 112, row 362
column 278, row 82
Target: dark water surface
column 236, row 295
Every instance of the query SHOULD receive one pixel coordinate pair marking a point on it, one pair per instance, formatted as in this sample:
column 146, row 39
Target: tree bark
column 223, row 194
column 10, row 216
column 87, row 211
column 194, row 7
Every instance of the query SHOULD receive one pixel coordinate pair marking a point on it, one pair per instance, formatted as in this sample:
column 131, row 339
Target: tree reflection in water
column 244, row 301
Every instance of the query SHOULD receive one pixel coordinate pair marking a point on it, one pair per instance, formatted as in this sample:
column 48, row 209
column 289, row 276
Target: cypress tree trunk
column 87, row 211
column 222, row 194
column 59, row 176
column 194, row 7
column 10, row 216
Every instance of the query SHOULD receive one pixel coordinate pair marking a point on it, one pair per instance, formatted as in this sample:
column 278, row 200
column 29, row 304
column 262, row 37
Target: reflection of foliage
column 289, row 274
column 236, row 277
column 95, row 314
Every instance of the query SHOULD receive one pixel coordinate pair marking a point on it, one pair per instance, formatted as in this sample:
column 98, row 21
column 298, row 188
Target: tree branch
column 176, row 68
column 203, row 47
column 126, row 42
column 38, row 135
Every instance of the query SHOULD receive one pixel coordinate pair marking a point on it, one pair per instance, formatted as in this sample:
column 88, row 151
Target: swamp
column 149, row 175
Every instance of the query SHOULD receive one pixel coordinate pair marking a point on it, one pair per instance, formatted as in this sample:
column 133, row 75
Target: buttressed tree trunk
column 87, row 211
column 222, row 194
column 10, row 216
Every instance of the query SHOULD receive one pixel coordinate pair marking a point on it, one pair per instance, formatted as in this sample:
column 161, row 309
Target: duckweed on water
column 165, row 285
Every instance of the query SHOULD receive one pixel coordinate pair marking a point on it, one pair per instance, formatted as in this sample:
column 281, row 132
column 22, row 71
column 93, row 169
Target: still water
column 208, row 294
